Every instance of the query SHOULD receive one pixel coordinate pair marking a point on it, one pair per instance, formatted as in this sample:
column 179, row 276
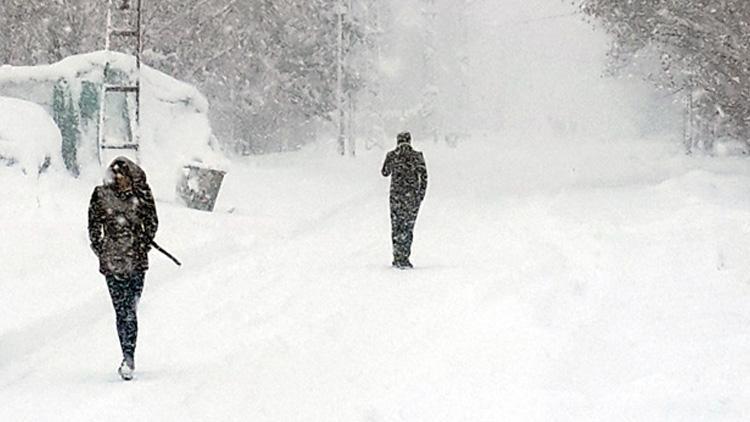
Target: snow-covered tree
column 40, row 32
column 267, row 66
column 699, row 47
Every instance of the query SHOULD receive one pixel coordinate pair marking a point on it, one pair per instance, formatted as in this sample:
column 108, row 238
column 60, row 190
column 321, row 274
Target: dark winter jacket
column 408, row 173
column 122, row 224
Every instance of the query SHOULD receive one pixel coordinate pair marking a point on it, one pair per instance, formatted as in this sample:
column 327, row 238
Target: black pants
column 125, row 291
column 403, row 218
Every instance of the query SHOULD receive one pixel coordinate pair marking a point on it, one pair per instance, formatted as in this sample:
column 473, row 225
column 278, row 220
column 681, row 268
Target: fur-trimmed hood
column 127, row 168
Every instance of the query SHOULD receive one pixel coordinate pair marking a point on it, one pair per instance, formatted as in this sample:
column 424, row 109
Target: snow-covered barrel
column 199, row 186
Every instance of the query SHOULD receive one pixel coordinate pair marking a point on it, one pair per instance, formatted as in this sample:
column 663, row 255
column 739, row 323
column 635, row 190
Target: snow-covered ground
column 556, row 280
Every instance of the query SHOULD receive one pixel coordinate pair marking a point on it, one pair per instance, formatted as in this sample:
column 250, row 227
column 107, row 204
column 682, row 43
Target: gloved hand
column 144, row 244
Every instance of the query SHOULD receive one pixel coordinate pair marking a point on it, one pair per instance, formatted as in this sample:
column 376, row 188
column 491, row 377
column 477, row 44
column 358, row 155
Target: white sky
column 528, row 66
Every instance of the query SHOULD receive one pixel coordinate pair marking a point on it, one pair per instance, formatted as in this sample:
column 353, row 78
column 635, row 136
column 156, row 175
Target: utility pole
column 689, row 132
column 430, row 93
column 373, row 37
column 464, row 96
column 351, row 106
column 340, row 78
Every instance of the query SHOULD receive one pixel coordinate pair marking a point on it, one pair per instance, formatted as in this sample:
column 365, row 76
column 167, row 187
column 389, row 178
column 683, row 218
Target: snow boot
column 126, row 369
column 403, row 264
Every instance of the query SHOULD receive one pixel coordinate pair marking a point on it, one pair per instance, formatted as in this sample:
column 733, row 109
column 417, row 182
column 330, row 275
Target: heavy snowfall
column 581, row 253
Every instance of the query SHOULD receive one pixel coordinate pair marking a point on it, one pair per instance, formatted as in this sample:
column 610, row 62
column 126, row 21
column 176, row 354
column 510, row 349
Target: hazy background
column 533, row 66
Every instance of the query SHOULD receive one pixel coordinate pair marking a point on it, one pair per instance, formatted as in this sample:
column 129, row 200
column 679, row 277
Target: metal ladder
column 123, row 7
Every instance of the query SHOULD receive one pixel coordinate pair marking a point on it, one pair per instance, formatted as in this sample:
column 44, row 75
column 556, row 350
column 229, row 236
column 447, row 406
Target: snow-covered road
column 555, row 280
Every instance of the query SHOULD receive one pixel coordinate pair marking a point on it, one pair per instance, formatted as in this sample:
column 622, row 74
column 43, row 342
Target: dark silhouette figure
column 122, row 225
column 408, row 173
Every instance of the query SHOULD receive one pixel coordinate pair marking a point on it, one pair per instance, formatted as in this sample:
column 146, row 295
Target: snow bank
column 29, row 139
column 175, row 129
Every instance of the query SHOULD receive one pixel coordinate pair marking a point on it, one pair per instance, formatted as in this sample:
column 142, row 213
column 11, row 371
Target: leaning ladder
column 108, row 88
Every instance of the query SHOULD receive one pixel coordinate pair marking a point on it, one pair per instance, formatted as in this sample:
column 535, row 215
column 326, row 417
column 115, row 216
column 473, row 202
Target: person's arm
column 422, row 173
column 96, row 222
column 149, row 219
column 387, row 165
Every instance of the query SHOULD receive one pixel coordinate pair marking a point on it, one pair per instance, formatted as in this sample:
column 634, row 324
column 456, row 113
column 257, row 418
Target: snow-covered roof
column 90, row 67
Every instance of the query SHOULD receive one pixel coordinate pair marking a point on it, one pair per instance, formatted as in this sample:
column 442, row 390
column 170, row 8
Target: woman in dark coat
column 122, row 225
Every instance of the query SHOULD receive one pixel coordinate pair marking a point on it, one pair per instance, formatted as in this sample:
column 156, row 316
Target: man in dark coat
column 122, row 224
column 408, row 173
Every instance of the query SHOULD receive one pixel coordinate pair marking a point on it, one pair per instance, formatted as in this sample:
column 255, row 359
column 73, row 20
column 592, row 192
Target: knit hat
column 404, row 138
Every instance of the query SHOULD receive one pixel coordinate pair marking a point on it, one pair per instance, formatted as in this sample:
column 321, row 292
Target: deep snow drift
column 556, row 280
column 29, row 138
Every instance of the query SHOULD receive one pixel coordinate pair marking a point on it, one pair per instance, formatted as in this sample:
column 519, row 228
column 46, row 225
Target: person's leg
column 130, row 322
column 399, row 228
column 118, row 292
column 410, row 220
column 396, row 223
column 125, row 291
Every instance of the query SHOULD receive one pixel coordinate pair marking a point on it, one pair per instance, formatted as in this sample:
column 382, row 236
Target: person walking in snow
column 122, row 225
column 408, row 172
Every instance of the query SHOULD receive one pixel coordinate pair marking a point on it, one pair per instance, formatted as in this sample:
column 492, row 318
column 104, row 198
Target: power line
column 551, row 17
column 535, row 20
